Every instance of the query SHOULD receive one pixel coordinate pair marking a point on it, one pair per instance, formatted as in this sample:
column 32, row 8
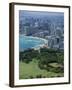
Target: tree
column 60, row 57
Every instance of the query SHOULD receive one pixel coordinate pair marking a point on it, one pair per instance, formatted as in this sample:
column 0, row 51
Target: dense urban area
column 50, row 27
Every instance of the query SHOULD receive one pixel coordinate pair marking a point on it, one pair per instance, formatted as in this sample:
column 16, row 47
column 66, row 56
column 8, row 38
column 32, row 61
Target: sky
column 39, row 13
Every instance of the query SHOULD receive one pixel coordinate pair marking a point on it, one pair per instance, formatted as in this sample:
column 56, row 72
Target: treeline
column 45, row 58
column 28, row 55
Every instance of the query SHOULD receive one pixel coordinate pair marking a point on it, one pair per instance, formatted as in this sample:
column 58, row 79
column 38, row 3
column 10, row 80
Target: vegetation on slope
column 44, row 64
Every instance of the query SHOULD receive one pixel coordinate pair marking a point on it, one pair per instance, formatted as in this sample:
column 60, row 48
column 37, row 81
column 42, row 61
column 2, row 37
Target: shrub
column 60, row 58
column 31, row 77
column 26, row 61
column 39, row 76
column 41, row 66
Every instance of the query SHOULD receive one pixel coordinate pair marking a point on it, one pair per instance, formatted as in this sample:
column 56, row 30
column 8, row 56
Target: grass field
column 31, row 70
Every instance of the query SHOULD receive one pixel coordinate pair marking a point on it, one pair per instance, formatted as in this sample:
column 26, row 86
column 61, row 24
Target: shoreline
column 36, row 38
column 37, row 47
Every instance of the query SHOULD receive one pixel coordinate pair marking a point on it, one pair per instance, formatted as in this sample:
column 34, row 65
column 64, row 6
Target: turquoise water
column 28, row 42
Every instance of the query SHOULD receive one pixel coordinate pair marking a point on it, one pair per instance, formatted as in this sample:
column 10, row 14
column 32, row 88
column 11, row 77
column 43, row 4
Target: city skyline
column 47, row 25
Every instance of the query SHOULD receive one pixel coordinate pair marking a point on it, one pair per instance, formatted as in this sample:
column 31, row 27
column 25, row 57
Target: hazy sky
column 39, row 13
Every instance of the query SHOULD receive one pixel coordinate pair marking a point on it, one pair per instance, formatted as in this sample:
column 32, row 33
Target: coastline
column 37, row 47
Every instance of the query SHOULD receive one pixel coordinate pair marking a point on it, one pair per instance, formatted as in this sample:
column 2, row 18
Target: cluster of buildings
column 51, row 29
